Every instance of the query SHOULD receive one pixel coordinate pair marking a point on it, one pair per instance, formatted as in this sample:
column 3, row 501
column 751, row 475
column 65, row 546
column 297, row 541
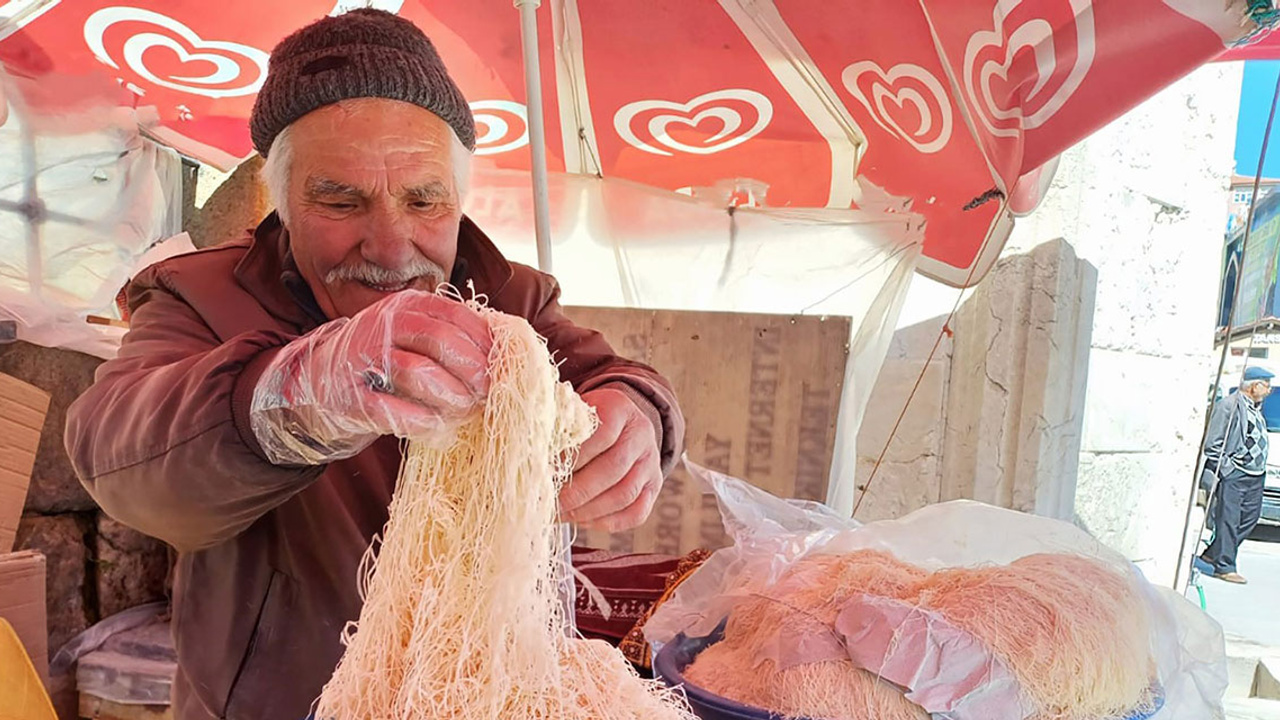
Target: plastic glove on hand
column 412, row 365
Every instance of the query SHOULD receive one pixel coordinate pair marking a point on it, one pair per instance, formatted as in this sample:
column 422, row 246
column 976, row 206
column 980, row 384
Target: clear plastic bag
column 771, row 535
column 140, row 679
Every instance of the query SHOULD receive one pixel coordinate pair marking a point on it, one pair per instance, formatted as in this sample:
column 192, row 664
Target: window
column 1259, row 353
column 1241, row 196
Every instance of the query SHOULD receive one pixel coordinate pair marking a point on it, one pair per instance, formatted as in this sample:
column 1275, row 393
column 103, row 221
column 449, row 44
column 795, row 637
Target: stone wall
column 222, row 206
column 1019, row 369
column 1145, row 200
column 998, row 412
column 96, row 567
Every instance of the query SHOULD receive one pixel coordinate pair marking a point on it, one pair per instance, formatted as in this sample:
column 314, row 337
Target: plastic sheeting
column 621, row 244
column 81, row 199
column 62, row 668
column 770, row 535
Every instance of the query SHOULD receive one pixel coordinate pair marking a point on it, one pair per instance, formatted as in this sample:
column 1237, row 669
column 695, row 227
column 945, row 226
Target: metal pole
column 542, row 232
column 32, row 208
column 537, row 133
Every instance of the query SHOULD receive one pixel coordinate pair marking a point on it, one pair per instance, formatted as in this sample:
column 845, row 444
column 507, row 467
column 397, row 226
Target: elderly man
column 1236, row 462
column 251, row 418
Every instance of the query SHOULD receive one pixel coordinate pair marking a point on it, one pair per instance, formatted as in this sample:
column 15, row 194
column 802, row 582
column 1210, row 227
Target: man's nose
column 389, row 240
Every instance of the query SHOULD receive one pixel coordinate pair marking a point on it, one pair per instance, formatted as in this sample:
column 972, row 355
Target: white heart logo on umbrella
column 904, row 84
column 230, row 60
column 1046, row 96
column 724, row 106
column 501, row 125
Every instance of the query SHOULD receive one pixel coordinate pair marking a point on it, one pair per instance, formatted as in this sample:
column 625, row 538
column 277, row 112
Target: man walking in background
column 1236, row 463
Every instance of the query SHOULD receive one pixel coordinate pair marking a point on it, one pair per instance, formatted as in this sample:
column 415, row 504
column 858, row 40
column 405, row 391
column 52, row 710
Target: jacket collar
column 268, row 272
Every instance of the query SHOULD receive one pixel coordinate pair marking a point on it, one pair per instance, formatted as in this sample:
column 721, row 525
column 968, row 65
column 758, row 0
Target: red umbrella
column 955, row 104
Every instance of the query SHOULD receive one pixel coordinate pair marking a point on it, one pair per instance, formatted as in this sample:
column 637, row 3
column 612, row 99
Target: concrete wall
column 1143, row 200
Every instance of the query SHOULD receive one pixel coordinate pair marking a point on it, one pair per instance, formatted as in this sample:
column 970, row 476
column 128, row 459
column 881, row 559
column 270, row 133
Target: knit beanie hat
column 364, row 53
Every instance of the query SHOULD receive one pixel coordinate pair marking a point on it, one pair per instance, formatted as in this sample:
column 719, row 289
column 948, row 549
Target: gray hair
column 275, row 171
column 1248, row 384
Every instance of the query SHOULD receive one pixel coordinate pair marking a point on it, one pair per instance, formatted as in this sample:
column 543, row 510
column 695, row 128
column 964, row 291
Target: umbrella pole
column 542, row 232
column 537, row 133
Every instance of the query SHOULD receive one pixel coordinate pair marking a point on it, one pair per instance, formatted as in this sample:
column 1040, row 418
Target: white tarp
column 80, row 202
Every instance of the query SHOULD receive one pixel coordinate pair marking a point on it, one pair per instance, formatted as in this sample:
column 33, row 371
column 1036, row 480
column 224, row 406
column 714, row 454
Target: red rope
column 945, row 331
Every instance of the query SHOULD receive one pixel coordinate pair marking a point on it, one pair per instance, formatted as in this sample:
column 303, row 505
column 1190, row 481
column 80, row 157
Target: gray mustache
column 378, row 275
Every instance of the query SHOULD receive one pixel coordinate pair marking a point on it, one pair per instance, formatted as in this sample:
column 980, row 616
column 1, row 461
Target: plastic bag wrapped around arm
column 412, row 365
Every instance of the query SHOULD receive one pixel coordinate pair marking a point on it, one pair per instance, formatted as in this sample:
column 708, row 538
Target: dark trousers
column 1237, row 506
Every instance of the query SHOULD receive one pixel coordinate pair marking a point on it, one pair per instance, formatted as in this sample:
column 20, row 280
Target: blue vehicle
column 1271, row 493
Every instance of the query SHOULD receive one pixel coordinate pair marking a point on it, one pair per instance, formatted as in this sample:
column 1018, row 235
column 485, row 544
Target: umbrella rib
column 797, row 75
column 568, row 58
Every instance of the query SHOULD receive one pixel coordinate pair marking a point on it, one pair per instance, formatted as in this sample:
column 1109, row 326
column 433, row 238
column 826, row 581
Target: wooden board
column 760, row 394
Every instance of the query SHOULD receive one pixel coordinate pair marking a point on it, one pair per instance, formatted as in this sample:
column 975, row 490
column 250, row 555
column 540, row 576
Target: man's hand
column 618, row 474
column 410, row 365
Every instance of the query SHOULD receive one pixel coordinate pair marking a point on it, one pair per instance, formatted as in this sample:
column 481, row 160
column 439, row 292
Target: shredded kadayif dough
column 462, row 615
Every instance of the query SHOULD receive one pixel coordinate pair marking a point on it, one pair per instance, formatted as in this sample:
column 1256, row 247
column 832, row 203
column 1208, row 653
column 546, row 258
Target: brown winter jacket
column 268, row 555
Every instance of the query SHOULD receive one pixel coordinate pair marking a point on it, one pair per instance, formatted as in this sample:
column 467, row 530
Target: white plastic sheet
column 619, row 244
column 62, row 668
column 771, row 535
column 81, row 199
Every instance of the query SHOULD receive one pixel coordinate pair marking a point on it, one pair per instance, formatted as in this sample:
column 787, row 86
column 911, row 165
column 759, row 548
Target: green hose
column 1263, row 12
column 1264, row 15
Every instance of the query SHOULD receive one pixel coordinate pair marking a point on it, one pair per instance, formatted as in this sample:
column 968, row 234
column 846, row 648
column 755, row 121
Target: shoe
column 1232, row 577
column 1202, row 566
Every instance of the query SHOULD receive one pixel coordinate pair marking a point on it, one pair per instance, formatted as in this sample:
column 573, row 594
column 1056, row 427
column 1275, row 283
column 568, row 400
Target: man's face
column 373, row 202
column 1258, row 391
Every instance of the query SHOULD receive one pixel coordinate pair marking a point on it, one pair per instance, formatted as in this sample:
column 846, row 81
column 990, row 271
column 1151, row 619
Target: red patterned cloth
column 629, row 582
column 633, row 584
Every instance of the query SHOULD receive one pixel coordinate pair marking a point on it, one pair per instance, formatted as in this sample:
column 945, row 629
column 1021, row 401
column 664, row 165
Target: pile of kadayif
column 1072, row 632
column 462, row 615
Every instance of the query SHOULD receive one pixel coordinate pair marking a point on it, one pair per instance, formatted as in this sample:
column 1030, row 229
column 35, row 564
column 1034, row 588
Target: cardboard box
column 22, row 603
column 760, row 394
column 22, row 411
